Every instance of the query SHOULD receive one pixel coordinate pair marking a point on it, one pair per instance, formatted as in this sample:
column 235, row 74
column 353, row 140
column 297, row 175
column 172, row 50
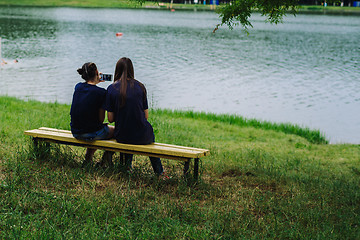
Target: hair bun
column 80, row 71
column 88, row 71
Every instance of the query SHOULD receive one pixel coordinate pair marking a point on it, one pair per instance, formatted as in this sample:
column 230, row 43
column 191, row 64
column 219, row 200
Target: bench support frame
column 109, row 156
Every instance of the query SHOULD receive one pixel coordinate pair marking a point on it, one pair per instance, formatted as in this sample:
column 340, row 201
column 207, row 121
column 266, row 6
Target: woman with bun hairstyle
column 87, row 109
column 127, row 106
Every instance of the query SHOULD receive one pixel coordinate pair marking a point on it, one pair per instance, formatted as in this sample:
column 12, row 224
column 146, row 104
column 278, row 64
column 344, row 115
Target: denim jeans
column 126, row 159
column 103, row 133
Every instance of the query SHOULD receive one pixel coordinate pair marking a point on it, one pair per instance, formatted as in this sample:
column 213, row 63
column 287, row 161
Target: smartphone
column 105, row 77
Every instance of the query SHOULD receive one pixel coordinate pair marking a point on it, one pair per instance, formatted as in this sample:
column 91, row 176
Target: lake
column 305, row 71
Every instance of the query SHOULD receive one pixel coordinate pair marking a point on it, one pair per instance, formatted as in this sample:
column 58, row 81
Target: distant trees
column 330, row 2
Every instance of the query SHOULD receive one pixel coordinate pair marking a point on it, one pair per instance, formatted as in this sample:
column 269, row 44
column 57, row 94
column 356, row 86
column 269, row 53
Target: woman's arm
column 102, row 115
column 110, row 116
column 146, row 111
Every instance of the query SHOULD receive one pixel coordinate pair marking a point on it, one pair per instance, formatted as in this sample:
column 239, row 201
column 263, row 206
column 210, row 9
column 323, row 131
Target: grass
column 162, row 5
column 328, row 9
column 70, row 3
column 101, row 4
column 314, row 136
column 258, row 183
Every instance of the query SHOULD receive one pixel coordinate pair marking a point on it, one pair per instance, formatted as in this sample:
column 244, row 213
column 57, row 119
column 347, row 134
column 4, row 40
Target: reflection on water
column 305, row 71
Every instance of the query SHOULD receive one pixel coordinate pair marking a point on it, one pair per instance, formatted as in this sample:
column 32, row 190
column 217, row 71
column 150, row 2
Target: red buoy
column 119, row 34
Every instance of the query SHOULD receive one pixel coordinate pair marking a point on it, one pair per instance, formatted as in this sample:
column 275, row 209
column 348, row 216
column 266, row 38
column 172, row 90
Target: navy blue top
column 86, row 103
column 131, row 125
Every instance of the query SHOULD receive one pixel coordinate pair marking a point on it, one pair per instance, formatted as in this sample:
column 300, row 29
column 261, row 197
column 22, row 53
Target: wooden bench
column 185, row 154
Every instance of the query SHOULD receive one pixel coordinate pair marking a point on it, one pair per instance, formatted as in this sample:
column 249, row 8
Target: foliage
column 239, row 11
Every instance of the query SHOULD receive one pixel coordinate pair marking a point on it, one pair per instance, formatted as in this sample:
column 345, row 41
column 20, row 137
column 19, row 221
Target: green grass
column 314, row 136
column 259, row 182
column 70, row 3
column 154, row 4
column 101, row 4
column 329, row 9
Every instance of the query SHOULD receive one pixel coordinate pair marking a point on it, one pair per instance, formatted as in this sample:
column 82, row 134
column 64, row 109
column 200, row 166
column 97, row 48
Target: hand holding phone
column 105, row 77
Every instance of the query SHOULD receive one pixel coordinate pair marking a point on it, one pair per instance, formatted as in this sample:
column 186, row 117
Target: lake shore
column 315, row 9
column 256, row 183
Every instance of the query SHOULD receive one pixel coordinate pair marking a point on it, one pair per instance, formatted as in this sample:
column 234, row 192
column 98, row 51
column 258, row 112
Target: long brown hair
column 124, row 72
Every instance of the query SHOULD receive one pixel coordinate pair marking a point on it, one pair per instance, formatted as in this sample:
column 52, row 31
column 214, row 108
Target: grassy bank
column 328, row 10
column 101, row 4
column 71, row 3
column 257, row 183
column 155, row 5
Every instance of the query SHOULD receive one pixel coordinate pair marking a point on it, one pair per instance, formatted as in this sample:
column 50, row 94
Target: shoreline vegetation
column 257, row 183
column 132, row 4
column 313, row 136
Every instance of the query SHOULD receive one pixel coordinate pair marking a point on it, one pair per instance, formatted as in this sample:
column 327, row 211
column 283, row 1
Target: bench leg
column 41, row 150
column 36, row 143
column 186, row 167
column 107, row 158
column 196, row 168
column 122, row 159
column 126, row 161
column 36, row 147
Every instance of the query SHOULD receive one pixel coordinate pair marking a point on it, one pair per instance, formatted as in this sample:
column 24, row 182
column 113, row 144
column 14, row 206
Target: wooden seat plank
column 161, row 150
column 155, row 148
column 157, row 144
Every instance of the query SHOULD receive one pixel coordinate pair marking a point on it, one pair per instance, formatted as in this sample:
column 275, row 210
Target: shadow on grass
column 59, row 157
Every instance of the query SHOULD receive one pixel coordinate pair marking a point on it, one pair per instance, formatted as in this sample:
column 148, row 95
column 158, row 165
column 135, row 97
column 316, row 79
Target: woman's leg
column 156, row 164
column 107, row 156
column 111, row 132
column 89, row 156
column 126, row 160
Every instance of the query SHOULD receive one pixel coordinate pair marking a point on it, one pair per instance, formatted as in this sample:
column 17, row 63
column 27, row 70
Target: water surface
column 304, row 71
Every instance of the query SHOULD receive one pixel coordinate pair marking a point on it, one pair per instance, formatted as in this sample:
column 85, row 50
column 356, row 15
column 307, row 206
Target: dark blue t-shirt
column 131, row 125
column 86, row 103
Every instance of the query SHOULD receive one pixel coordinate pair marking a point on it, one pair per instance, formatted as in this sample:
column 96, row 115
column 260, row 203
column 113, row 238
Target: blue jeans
column 103, row 133
column 155, row 162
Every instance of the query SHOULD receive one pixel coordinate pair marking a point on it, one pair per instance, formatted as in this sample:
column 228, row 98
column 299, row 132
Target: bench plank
column 159, row 149
column 158, row 144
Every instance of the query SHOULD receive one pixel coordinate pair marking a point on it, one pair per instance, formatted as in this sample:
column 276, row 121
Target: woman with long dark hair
column 127, row 106
column 87, row 109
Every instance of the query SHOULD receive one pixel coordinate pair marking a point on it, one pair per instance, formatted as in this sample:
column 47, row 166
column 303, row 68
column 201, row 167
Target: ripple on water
column 304, row 71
